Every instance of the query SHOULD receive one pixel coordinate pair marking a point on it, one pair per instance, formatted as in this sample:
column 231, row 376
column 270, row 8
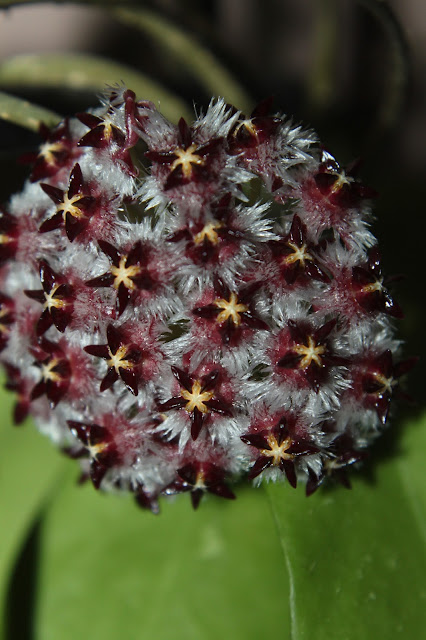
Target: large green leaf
column 24, row 113
column 356, row 559
column 78, row 71
column 109, row 570
column 28, row 468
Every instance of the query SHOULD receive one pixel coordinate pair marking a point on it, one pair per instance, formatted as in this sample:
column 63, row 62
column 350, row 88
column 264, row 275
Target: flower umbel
column 171, row 333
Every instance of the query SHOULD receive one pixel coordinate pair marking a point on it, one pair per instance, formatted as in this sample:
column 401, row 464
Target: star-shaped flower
column 278, row 449
column 340, row 186
column 188, row 161
column 57, row 298
column 55, row 372
column 122, row 359
column 232, row 310
column 249, row 132
column 7, row 318
column 198, row 396
column 100, row 445
column 311, row 352
column 127, row 273
column 53, row 154
column 73, row 207
column 199, row 478
column 369, row 286
column 296, row 256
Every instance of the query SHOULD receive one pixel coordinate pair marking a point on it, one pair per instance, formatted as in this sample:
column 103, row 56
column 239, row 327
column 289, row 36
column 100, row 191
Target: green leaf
column 195, row 58
column 356, row 559
column 74, row 71
column 109, row 570
column 24, row 113
column 28, row 468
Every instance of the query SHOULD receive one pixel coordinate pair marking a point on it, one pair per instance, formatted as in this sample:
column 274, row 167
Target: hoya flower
column 184, row 306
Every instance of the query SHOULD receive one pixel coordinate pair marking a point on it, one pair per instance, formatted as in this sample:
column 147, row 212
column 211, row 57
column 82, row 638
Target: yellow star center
column 117, row 359
column 3, row 327
column 373, row 286
column 69, row 206
column 387, row 384
column 248, row 126
column 300, row 254
column 208, row 232
column 185, row 159
column 47, row 151
column 196, row 398
column 277, row 451
column 50, row 302
column 48, row 373
column 342, row 179
column 231, row 309
column 123, row 274
column 4, row 239
column 310, row 353
column 200, row 482
column 96, row 449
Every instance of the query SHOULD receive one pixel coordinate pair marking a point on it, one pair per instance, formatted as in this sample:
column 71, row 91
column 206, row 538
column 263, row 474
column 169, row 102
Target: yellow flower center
column 123, row 274
column 387, row 384
column 231, row 309
column 48, row 373
column 117, row 360
column 209, row 233
column 310, row 353
column 48, row 150
column 50, row 302
column 300, row 254
column 69, row 206
column 342, row 179
column 185, row 159
column 373, row 286
column 277, row 451
column 196, row 398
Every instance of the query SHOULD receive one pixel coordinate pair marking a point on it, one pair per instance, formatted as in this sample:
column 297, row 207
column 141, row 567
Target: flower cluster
column 183, row 305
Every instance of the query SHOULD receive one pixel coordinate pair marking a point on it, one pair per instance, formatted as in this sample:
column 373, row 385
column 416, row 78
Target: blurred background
column 354, row 70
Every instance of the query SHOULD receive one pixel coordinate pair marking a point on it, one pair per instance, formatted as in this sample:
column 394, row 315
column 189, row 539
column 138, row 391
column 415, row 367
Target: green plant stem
column 24, row 113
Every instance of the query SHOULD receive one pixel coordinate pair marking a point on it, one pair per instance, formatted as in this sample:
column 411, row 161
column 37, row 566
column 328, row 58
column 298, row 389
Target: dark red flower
column 73, row 208
column 277, row 448
column 128, row 272
column 16, row 383
column 311, row 352
column 100, row 445
column 198, row 397
column 57, row 298
column 380, row 378
column 339, row 185
column 189, row 161
column 53, row 154
column 342, row 456
column 369, row 287
column 258, row 128
column 55, row 372
column 199, row 478
column 296, row 256
column 122, row 359
column 232, row 310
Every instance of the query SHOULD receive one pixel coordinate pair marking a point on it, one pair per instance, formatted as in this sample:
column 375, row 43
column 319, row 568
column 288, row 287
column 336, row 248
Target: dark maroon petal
column 98, row 350
column 131, row 379
column 288, row 467
column 315, row 375
column 313, row 482
column 47, row 276
column 209, row 381
column 38, row 390
column 123, row 297
column 253, row 322
column 222, row 490
column 219, row 406
column 209, row 311
column 80, row 430
column 105, row 280
column 52, row 223
column 74, row 227
column 36, row 295
column 196, row 497
column 256, row 440
column 60, row 318
column 97, row 472
column 110, row 251
column 185, row 138
column 89, row 119
column 110, row 378
column 136, row 255
column 177, row 402
column 197, row 420
column 20, row 412
column 290, row 360
column 76, row 181
column 323, row 332
column 315, row 272
column 260, row 465
column 188, row 473
column 44, row 323
column 114, row 338
column 55, row 194
column 392, row 308
column 297, row 234
column 184, row 379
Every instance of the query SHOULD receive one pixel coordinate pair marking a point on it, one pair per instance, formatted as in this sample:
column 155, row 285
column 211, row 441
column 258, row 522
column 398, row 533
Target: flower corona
column 183, row 306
